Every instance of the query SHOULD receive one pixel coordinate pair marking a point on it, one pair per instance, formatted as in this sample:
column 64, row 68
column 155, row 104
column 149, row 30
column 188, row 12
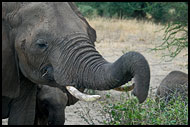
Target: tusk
column 81, row 96
column 125, row 88
column 44, row 73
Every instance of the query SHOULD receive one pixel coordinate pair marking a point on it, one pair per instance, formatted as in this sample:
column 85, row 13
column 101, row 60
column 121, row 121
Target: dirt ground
column 113, row 39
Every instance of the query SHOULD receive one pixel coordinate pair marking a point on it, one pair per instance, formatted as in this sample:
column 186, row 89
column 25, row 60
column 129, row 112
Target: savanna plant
column 175, row 37
column 151, row 112
column 128, row 111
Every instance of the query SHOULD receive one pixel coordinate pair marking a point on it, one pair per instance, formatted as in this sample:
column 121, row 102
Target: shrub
column 162, row 12
column 130, row 112
column 175, row 37
column 88, row 11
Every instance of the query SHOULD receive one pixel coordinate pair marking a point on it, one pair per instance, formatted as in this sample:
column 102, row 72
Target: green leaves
column 161, row 12
column 175, row 39
column 130, row 112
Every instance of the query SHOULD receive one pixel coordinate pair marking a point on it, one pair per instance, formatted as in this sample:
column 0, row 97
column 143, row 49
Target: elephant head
column 51, row 103
column 173, row 85
column 53, row 44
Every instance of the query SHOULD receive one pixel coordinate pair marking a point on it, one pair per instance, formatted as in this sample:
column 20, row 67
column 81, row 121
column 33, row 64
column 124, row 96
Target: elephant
column 50, row 106
column 174, row 84
column 51, row 43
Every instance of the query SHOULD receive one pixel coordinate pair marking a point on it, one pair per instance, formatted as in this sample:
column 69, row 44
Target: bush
column 161, row 12
column 175, row 17
column 115, row 9
column 175, row 39
column 130, row 112
column 88, row 11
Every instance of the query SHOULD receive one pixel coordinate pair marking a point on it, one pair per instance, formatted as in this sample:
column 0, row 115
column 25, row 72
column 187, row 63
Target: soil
column 111, row 49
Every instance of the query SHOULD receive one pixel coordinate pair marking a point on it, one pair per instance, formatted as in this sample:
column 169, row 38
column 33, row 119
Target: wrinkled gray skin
column 52, row 44
column 51, row 103
column 174, row 84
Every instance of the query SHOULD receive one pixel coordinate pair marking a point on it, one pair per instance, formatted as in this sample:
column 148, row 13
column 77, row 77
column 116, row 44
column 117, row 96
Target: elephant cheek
column 47, row 73
column 62, row 77
column 59, row 79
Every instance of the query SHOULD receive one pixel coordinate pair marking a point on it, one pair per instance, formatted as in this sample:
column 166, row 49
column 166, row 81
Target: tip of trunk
column 141, row 77
column 134, row 65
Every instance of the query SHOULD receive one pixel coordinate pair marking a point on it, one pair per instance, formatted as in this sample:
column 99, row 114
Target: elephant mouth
column 47, row 73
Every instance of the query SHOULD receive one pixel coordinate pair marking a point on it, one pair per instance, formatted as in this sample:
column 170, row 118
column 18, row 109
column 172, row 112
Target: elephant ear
column 10, row 70
column 90, row 30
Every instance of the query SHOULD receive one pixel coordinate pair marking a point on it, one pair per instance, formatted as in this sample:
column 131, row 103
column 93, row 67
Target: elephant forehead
column 50, row 20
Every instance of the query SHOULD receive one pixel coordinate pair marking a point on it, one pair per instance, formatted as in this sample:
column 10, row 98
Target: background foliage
column 158, row 11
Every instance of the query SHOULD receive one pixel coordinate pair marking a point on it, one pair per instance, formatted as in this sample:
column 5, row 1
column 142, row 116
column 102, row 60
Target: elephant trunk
column 112, row 75
column 133, row 65
column 84, row 67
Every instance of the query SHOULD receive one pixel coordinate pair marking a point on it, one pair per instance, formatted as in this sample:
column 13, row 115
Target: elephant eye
column 41, row 43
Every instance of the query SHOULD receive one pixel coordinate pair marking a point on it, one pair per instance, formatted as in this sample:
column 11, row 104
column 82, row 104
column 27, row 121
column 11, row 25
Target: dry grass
column 127, row 35
column 124, row 35
column 119, row 30
column 117, row 36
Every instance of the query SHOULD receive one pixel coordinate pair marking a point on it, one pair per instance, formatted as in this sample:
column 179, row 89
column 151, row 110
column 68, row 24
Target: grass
column 120, row 30
column 120, row 33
